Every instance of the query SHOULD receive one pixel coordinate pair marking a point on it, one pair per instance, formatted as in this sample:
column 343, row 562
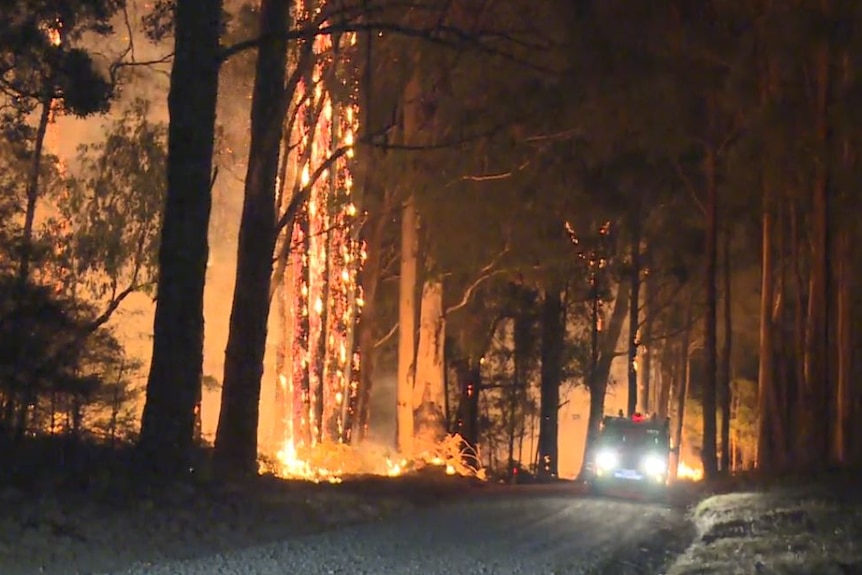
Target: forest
column 492, row 205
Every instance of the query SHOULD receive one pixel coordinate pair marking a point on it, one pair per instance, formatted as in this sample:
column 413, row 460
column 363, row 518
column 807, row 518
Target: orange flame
column 689, row 473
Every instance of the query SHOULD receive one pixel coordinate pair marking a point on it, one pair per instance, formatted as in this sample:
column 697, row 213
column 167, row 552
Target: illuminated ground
column 525, row 530
column 431, row 524
column 797, row 529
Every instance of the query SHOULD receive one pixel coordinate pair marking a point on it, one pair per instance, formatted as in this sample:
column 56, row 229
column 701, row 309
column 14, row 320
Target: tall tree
column 635, row 227
column 236, row 435
column 407, row 328
column 710, row 383
column 174, row 382
column 553, row 339
column 45, row 69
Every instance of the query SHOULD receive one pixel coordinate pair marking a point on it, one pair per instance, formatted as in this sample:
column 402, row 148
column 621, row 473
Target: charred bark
column 634, row 313
column 178, row 330
column 708, row 454
column 726, row 356
column 813, row 438
column 683, row 377
column 469, row 379
column 651, row 389
column 553, row 333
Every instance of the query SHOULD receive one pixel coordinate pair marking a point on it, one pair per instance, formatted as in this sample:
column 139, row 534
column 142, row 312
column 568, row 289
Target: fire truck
column 630, row 453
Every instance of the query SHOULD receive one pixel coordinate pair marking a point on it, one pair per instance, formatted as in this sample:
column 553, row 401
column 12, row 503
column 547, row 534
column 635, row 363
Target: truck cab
column 631, row 452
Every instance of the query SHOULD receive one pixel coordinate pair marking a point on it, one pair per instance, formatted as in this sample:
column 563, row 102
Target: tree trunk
column 236, row 435
column 844, row 311
column 368, row 327
column 813, row 440
column 33, row 190
column 667, row 377
column 280, row 425
column 634, row 314
column 684, row 371
column 520, row 356
column 598, row 379
column 407, row 328
column 429, row 396
column 469, row 379
column 768, row 444
column 843, row 399
column 708, row 453
column 651, row 388
column 798, row 359
column 167, row 424
column 726, row 356
column 553, row 334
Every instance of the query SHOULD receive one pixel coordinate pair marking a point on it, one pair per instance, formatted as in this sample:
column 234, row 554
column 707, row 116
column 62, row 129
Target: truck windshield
column 634, row 437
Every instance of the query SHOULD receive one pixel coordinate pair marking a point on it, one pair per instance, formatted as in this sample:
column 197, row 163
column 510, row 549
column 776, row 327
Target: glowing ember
column 54, row 32
column 688, row 473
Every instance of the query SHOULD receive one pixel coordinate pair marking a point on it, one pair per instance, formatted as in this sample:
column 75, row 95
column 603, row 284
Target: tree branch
column 392, row 331
column 688, row 185
column 485, row 274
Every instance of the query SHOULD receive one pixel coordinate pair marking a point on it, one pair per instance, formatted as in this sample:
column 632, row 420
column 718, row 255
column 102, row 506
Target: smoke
column 148, row 77
column 381, row 426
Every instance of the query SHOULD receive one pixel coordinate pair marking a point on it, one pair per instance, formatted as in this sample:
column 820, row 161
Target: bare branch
column 486, row 273
column 498, row 176
column 392, row 331
column 688, row 185
column 297, row 200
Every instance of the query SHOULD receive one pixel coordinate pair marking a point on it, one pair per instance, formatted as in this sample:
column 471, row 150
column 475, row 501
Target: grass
column 802, row 523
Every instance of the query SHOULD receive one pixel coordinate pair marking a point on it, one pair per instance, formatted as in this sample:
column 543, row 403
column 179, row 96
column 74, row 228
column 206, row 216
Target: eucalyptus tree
column 44, row 69
column 173, row 385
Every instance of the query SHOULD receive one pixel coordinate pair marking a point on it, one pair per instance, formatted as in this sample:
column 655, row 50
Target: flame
column 318, row 365
column 689, row 473
column 333, row 462
column 54, row 32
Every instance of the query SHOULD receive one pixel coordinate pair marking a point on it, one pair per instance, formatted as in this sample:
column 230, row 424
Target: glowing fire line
column 318, row 381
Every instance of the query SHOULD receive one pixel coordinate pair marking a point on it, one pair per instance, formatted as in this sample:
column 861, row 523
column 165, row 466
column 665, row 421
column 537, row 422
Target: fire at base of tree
column 333, row 462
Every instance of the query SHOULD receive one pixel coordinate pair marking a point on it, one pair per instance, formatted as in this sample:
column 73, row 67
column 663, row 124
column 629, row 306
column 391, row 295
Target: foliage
column 49, row 357
column 41, row 58
column 110, row 211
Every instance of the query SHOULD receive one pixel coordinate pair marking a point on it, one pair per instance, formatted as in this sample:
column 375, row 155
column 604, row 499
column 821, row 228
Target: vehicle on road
column 631, row 454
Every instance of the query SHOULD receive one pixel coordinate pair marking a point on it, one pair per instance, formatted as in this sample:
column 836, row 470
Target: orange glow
column 689, row 473
column 331, row 462
column 54, row 32
column 319, row 377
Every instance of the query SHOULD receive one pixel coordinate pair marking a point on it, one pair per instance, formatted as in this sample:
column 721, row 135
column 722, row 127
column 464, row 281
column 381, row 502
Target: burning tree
column 298, row 214
column 318, row 298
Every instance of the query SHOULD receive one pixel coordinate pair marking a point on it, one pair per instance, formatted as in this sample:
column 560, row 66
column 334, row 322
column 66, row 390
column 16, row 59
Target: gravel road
column 528, row 530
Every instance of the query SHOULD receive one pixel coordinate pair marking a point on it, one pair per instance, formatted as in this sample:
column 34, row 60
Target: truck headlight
column 654, row 464
column 607, row 459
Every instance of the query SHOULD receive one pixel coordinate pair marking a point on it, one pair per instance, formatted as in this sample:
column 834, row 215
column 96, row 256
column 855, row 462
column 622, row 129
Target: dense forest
column 492, row 202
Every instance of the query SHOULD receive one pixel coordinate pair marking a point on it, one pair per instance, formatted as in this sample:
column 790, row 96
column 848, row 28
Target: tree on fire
column 716, row 152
